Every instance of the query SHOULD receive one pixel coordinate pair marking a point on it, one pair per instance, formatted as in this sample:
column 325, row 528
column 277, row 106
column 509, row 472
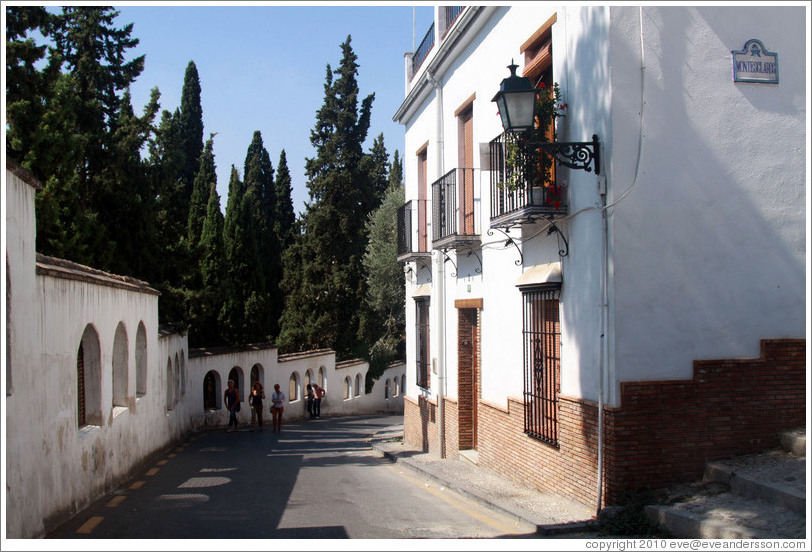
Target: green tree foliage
column 27, row 87
column 385, row 318
column 260, row 190
column 201, row 191
column 208, row 300
column 191, row 128
column 284, row 217
column 324, row 277
column 70, row 146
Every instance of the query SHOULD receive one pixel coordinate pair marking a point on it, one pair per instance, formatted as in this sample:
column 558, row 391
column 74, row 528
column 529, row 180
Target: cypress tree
column 201, row 191
column 327, row 287
column 209, row 297
column 259, row 185
column 285, row 217
column 191, row 128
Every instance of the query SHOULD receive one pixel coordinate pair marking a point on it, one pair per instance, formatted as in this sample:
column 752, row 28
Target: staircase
column 757, row 496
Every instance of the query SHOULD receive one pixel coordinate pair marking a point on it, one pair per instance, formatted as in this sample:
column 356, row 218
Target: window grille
column 542, row 363
column 80, row 376
column 422, row 342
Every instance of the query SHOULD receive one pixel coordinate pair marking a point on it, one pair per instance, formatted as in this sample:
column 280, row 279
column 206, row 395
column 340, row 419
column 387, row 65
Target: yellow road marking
column 89, row 525
column 152, row 471
column 162, row 462
column 137, row 485
column 486, row 518
column 116, row 501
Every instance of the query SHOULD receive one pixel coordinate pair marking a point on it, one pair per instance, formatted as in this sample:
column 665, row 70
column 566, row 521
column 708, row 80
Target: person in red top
column 318, row 394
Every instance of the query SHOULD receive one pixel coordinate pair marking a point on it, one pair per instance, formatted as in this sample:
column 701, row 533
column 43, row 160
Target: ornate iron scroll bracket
column 576, row 155
column 509, row 242
column 449, row 259
column 553, row 228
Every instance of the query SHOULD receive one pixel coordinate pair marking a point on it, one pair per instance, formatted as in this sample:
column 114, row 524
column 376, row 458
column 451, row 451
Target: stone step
column 470, row 455
column 794, row 441
column 776, row 477
column 750, row 496
column 728, row 516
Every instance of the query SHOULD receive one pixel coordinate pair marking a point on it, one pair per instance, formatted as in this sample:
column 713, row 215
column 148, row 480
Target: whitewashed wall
column 706, row 251
column 54, row 467
column 709, row 246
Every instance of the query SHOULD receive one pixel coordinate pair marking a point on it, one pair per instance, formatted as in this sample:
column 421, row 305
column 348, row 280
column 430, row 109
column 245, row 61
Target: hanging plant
column 549, row 107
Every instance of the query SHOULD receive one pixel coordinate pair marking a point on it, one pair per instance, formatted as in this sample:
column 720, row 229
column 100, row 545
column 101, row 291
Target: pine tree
column 324, row 278
column 28, row 88
column 71, row 144
column 127, row 193
column 92, row 50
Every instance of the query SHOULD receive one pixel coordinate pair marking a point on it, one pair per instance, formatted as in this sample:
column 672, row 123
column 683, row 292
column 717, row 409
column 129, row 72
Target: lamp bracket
column 575, row 155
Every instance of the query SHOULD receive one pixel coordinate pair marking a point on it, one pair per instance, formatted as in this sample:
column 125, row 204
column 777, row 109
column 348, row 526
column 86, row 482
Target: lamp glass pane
column 520, row 106
column 503, row 113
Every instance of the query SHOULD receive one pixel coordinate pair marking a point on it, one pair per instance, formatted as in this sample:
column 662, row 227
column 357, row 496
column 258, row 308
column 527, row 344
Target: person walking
column 309, row 400
column 318, row 394
column 278, row 407
column 257, row 394
column 231, row 398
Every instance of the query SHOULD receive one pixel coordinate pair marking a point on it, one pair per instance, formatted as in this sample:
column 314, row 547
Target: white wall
column 706, row 253
column 709, row 246
column 55, row 467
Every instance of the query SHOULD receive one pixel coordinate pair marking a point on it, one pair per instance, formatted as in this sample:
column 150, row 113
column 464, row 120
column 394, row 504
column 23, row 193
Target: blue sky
column 262, row 67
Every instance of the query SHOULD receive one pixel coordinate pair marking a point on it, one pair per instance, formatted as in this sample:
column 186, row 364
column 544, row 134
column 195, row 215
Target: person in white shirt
column 278, row 406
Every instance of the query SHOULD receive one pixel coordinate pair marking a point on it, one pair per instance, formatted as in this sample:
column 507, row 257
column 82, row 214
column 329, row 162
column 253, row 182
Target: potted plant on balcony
column 543, row 189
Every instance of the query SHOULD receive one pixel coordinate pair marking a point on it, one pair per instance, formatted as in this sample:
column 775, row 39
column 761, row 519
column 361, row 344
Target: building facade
column 95, row 389
column 642, row 309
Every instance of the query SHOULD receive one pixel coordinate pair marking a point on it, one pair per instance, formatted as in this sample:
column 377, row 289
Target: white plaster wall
column 709, row 245
column 278, row 370
column 706, row 253
column 22, row 338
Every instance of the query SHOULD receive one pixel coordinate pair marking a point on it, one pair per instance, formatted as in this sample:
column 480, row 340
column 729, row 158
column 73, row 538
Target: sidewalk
column 553, row 515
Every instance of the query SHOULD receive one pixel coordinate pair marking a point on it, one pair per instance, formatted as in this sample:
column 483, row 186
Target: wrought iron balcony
column 519, row 193
column 455, row 211
column 448, row 16
column 423, row 50
column 413, row 231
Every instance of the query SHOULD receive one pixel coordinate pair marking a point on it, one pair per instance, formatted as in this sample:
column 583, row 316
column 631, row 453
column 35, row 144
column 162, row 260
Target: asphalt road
column 317, row 479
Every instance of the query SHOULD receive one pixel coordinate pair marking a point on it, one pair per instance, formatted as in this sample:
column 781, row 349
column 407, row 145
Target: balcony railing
column 454, row 210
column 413, row 231
column 423, row 50
column 519, row 194
column 449, row 15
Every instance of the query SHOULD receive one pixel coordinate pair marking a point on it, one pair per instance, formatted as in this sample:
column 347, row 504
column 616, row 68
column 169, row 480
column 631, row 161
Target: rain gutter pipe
column 439, row 261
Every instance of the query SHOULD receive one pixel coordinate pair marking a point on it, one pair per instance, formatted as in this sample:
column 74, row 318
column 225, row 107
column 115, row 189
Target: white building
column 95, row 390
column 653, row 319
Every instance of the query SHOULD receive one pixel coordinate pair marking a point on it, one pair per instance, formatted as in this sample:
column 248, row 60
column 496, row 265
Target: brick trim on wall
column 665, row 431
column 662, row 434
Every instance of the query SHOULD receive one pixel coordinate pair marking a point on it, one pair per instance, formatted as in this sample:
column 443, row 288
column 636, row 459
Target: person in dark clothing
column 231, row 398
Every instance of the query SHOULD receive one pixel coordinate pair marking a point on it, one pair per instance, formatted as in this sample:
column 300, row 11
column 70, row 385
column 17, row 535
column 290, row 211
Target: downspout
column 604, row 352
column 604, row 356
column 440, row 272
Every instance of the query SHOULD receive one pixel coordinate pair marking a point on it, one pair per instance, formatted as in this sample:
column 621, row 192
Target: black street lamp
column 516, row 100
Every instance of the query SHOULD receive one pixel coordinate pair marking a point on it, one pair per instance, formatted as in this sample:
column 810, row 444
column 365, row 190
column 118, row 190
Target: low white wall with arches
column 94, row 388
